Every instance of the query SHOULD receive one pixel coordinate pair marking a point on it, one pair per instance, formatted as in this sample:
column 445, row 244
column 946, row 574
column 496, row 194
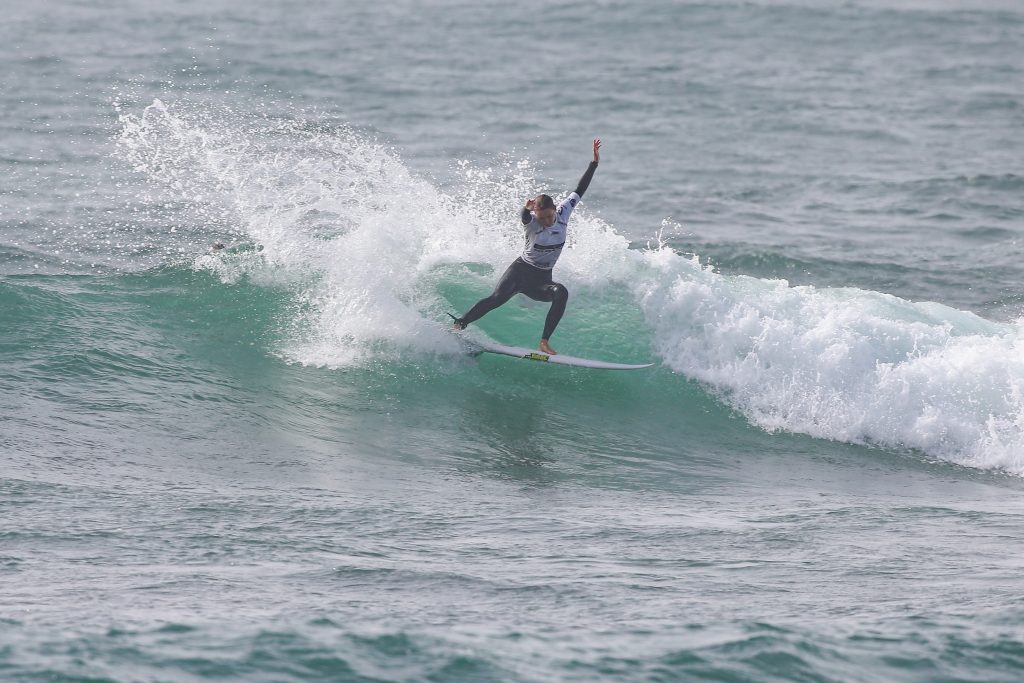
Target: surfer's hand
column 597, row 150
column 531, row 204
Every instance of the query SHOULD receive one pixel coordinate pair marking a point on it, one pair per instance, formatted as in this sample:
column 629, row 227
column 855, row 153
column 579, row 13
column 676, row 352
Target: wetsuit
column 530, row 274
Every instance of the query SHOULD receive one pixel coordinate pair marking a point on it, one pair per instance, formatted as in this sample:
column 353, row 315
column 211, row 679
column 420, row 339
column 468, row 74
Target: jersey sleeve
column 568, row 204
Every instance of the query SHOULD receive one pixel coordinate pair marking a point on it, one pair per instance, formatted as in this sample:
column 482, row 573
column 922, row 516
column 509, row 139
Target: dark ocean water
column 274, row 462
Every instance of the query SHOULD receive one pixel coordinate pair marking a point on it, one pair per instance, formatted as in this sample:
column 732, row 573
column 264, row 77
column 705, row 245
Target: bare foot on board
column 546, row 348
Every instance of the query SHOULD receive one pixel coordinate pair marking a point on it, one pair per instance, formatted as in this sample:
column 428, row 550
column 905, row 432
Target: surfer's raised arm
column 584, row 183
column 542, row 202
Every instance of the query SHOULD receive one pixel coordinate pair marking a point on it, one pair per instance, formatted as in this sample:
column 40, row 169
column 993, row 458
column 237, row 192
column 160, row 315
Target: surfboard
column 557, row 359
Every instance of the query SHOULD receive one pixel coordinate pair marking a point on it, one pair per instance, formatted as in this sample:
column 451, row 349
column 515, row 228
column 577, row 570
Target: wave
column 376, row 254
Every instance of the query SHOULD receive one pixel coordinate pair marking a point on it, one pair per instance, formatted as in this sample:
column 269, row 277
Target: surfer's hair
column 544, row 201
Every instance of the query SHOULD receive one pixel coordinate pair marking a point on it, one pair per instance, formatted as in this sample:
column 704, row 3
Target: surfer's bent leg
column 507, row 287
column 557, row 294
column 559, row 297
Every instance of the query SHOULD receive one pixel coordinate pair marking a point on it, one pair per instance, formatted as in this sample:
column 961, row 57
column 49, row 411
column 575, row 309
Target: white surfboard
column 557, row 359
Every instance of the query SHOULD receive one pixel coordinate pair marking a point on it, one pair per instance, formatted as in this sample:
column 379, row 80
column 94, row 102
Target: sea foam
column 842, row 363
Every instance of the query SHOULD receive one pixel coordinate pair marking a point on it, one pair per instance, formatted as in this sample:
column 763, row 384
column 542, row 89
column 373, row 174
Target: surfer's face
column 545, row 217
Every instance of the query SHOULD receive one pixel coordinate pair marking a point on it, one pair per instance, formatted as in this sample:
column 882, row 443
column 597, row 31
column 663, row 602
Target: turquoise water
column 276, row 463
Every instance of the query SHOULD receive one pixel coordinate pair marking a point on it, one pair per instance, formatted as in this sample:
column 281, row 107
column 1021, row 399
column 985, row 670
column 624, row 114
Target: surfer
column 546, row 226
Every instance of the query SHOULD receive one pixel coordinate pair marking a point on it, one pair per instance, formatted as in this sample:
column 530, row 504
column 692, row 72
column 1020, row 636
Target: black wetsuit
column 530, row 274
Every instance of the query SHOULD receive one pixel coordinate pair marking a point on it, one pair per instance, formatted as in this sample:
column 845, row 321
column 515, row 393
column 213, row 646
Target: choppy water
column 275, row 462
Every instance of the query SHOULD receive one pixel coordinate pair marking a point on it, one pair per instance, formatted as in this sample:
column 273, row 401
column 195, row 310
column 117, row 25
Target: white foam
column 844, row 364
column 335, row 215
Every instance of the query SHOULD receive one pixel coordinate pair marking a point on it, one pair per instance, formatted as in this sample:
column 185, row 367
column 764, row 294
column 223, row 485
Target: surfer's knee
column 559, row 292
column 497, row 299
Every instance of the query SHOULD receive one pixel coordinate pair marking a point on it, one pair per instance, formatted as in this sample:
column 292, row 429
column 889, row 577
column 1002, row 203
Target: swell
column 322, row 649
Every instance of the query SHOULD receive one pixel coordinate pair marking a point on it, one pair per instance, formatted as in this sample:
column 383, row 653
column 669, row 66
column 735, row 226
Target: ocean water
column 275, row 462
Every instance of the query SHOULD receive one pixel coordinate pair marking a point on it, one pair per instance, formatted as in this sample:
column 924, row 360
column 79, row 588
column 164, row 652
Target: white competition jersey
column 544, row 245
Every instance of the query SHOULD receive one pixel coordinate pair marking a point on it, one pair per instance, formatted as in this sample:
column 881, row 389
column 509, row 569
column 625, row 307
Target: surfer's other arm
column 527, row 214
